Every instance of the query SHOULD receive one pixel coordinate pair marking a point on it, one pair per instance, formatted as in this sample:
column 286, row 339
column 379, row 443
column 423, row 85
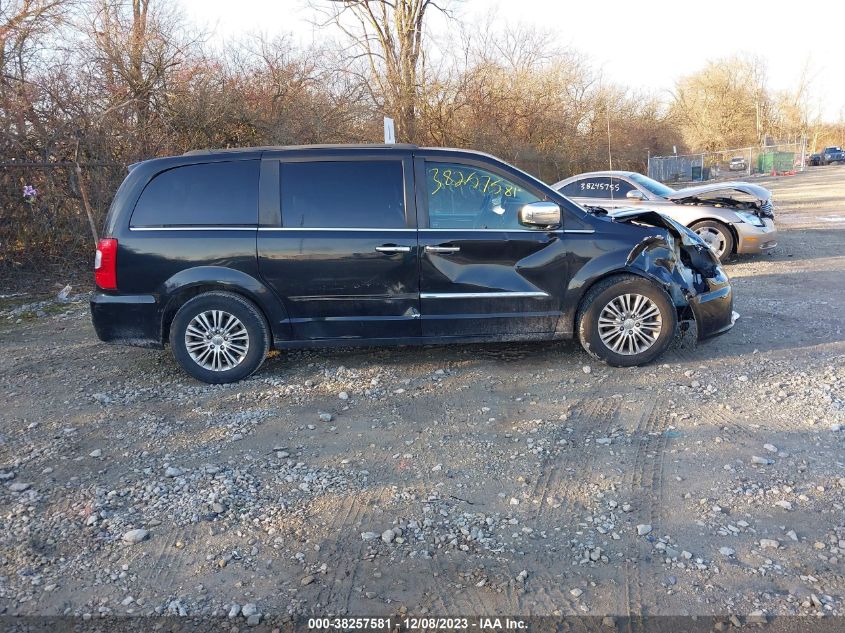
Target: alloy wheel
column 217, row 340
column 630, row 324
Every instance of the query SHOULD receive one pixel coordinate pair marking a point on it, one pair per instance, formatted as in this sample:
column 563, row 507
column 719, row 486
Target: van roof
column 277, row 148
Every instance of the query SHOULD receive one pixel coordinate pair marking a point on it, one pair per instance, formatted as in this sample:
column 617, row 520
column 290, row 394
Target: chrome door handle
column 393, row 249
column 442, row 249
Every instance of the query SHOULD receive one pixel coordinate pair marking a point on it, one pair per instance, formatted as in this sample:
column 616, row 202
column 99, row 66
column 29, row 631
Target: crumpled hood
column 701, row 257
column 761, row 194
column 655, row 218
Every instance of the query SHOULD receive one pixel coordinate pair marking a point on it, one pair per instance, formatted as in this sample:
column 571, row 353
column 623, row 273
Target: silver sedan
column 732, row 217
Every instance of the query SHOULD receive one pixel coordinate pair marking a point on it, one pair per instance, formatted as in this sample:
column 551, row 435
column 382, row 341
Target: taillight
column 105, row 264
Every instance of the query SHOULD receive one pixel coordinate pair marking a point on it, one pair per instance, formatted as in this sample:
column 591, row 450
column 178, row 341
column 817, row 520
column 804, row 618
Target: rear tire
column 626, row 321
column 718, row 237
column 219, row 337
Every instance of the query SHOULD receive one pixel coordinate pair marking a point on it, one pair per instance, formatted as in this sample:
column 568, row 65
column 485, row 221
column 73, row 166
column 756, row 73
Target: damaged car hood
column 760, row 194
column 700, row 255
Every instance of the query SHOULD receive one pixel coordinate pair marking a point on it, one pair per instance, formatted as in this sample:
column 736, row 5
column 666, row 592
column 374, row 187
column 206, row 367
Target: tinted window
column 599, row 187
column 210, row 194
column 571, row 189
column 621, row 187
column 353, row 194
column 461, row 196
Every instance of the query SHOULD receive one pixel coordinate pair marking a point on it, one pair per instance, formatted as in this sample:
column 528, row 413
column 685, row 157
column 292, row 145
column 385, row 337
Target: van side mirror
column 540, row 214
column 635, row 195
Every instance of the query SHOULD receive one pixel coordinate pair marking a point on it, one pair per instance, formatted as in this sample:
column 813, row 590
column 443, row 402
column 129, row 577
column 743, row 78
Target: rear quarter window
column 207, row 194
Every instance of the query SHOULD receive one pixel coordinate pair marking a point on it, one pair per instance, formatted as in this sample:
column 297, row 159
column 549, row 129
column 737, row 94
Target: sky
column 643, row 44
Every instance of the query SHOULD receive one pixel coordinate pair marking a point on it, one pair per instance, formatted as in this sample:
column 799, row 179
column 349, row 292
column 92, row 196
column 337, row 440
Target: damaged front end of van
column 686, row 267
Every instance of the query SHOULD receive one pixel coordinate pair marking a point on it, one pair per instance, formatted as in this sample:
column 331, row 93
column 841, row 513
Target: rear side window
column 209, row 194
column 597, row 187
column 343, row 194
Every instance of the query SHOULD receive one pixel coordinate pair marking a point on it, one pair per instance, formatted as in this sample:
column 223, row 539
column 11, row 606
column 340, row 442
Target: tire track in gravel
column 646, row 486
column 589, row 417
column 344, row 554
column 730, row 422
column 166, row 557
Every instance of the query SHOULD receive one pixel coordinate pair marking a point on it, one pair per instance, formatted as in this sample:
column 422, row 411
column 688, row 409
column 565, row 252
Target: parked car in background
column 225, row 254
column 831, row 155
column 738, row 163
column 731, row 217
column 815, row 159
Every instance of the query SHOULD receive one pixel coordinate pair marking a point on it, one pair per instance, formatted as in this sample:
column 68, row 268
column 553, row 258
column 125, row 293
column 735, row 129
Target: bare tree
column 724, row 105
column 388, row 35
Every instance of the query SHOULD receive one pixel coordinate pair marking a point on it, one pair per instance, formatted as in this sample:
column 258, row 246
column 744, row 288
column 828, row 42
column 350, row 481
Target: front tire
column 219, row 337
column 717, row 236
column 626, row 321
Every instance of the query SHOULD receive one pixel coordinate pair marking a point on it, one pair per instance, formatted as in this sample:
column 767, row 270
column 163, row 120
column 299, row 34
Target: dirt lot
column 499, row 479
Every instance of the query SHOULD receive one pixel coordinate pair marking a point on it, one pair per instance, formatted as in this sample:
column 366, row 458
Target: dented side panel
column 495, row 283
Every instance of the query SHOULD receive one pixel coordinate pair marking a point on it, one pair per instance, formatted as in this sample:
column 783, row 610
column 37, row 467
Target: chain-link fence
column 43, row 224
column 729, row 164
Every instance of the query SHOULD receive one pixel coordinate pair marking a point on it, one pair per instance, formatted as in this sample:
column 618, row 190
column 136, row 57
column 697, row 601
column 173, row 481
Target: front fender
column 653, row 257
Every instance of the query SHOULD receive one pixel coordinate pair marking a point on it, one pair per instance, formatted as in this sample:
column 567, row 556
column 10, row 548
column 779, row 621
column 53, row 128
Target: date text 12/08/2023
column 480, row 623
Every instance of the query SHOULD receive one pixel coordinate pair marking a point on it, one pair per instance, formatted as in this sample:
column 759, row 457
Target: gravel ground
column 487, row 479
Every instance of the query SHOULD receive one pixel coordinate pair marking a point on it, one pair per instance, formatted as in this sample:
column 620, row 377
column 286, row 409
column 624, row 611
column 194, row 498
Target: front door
column 343, row 256
column 483, row 273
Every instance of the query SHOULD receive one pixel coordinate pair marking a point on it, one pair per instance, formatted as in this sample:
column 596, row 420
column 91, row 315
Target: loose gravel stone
column 136, row 536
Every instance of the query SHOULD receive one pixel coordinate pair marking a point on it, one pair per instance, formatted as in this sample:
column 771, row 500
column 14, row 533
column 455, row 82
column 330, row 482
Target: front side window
column 343, row 194
column 594, row 188
column 208, row 194
column 572, row 190
column 605, row 187
column 465, row 197
column 620, row 187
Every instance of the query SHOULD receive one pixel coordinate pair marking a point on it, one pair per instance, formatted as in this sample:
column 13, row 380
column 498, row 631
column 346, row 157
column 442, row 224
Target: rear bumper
column 713, row 310
column 756, row 239
column 127, row 319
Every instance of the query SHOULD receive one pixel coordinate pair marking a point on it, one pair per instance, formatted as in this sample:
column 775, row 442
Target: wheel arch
column 724, row 222
column 192, row 282
column 567, row 324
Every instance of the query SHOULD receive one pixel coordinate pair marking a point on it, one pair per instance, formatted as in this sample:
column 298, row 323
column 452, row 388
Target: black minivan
column 224, row 254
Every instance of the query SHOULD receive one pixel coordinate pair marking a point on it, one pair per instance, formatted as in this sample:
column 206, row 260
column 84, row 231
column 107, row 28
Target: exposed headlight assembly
column 750, row 218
